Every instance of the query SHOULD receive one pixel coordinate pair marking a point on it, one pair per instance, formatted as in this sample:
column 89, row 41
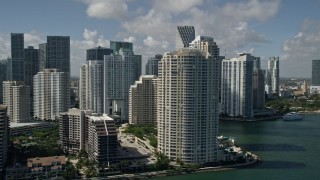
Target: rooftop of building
column 99, row 117
column 36, row 123
column 186, row 52
column 46, row 161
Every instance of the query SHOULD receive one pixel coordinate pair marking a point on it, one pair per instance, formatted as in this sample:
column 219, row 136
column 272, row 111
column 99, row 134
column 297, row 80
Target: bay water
column 288, row 149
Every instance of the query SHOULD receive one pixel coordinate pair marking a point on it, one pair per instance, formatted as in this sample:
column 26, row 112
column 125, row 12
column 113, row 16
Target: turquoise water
column 289, row 150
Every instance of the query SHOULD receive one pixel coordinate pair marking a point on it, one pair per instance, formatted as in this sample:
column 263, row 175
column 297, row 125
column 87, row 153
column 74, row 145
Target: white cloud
column 33, row 38
column 176, row 6
column 129, row 39
column 299, row 50
column 91, row 39
column 150, row 42
column 5, row 50
column 153, row 23
column 107, row 9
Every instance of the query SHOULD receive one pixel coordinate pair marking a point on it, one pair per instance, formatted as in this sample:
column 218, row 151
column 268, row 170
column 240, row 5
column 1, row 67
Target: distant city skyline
column 288, row 29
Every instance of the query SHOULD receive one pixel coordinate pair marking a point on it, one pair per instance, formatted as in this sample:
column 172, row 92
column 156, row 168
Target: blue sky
column 286, row 28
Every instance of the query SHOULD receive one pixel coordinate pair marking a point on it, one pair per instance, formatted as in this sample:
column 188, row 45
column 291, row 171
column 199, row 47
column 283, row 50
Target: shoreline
column 271, row 118
column 256, row 160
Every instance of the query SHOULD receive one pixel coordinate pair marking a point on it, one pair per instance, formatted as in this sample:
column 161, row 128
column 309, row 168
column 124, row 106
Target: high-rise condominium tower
column 152, row 65
column 72, row 130
column 55, row 54
column 315, row 80
column 16, row 96
column 208, row 45
column 187, row 106
column 91, row 86
column 236, row 88
column 101, row 144
column 98, row 53
column 121, row 69
column 184, row 36
column 51, row 93
column 4, row 136
column 272, row 85
column 17, row 57
column 142, row 101
column 91, row 80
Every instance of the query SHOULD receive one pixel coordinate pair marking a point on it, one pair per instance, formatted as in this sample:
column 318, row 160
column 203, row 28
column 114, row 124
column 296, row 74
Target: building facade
column 152, row 65
column 3, row 77
column 4, row 136
column 31, row 64
column 91, row 86
column 187, row 106
column 72, row 130
column 237, row 86
column 17, row 57
column 184, row 36
column 208, row 45
column 98, row 53
column 273, row 77
column 142, row 101
column 51, row 93
column 315, row 79
column 55, row 54
column 258, row 85
column 121, row 70
column 101, row 143
column 46, row 167
column 16, row 96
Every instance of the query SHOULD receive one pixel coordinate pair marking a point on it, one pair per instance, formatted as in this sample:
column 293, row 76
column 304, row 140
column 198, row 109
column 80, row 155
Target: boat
column 292, row 116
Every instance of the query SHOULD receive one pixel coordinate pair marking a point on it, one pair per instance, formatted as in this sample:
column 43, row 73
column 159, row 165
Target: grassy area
column 141, row 131
column 283, row 105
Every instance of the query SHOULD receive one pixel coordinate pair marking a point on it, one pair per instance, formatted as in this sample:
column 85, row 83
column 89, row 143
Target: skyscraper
column 258, row 85
column 121, row 69
column 51, row 93
column 184, row 36
column 315, row 79
column 72, row 130
column 117, row 45
column 187, row 106
column 101, row 144
column 4, row 136
column 91, row 86
column 236, row 89
column 142, row 101
column 152, row 65
column 31, row 64
column 208, row 45
column 98, row 53
column 3, row 76
column 16, row 96
column 17, row 56
column 55, row 54
column 42, row 56
column 272, row 85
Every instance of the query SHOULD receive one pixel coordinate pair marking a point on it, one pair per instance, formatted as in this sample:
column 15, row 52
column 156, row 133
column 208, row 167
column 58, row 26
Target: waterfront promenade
column 253, row 161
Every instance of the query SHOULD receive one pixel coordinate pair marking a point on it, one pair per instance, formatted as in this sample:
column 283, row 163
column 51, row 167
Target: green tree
column 162, row 162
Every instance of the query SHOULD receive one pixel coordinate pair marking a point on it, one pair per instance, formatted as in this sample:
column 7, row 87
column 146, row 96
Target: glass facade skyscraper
column 98, row 53
column 17, row 56
column 315, row 80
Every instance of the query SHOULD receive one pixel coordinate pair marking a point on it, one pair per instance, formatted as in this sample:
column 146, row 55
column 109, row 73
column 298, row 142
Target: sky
column 289, row 29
